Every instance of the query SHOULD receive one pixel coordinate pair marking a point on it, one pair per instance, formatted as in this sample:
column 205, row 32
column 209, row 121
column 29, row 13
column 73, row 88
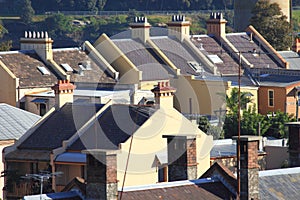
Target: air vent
column 43, row 70
column 67, row 67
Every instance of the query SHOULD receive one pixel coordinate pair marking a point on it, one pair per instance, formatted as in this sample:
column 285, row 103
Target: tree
column 232, row 100
column 272, row 24
column 204, row 124
column 26, row 11
column 277, row 122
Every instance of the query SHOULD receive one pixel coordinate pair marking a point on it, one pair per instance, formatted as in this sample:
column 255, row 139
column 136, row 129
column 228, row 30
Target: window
column 163, row 174
column 271, row 98
column 42, row 109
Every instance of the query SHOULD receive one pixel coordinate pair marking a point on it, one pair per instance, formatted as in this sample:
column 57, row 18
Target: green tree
column 272, row 24
column 58, row 24
column 232, row 100
column 204, row 124
column 277, row 121
column 26, row 11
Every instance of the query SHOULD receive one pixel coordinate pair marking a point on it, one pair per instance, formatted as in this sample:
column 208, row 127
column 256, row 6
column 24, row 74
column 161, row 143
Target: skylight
column 67, row 67
column 195, row 66
column 215, row 59
column 43, row 70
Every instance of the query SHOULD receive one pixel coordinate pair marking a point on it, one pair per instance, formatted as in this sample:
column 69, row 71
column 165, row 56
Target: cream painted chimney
column 39, row 42
column 140, row 29
column 216, row 25
column 63, row 93
column 179, row 27
column 163, row 94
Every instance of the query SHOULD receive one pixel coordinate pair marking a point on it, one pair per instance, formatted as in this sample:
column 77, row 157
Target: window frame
column 271, row 99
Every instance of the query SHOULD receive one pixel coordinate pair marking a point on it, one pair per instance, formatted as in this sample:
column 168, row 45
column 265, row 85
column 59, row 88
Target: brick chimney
column 182, row 157
column 216, row 25
column 294, row 144
column 39, row 42
column 163, row 94
column 296, row 45
column 179, row 27
column 140, row 29
column 101, row 166
column 249, row 166
column 63, row 92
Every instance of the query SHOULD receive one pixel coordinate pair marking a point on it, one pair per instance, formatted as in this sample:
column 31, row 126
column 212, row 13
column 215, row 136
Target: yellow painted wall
column 8, row 87
column 252, row 90
column 148, row 141
column 129, row 74
column 206, row 96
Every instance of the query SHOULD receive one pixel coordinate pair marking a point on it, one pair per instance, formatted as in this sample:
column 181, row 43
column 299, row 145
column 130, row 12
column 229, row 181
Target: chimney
column 163, row 95
column 63, row 92
column 216, row 25
column 182, row 157
column 179, row 27
column 249, row 166
column 296, row 45
column 39, row 42
column 294, row 144
column 140, row 29
column 101, row 168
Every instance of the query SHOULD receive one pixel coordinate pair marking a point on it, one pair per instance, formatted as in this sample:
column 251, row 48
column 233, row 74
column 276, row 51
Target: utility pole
column 239, row 131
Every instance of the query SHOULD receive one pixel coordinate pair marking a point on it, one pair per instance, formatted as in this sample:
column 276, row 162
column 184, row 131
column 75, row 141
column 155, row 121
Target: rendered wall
column 148, row 142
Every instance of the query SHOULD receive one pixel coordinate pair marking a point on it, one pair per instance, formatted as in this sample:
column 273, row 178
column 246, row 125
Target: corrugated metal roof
column 14, row 122
column 292, row 57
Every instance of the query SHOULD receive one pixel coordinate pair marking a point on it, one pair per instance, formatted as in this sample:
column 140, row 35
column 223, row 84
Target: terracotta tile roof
column 73, row 57
column 23, row 64
column 252, row 51
column 114, row 126
column 210, row 46
column 60, row 126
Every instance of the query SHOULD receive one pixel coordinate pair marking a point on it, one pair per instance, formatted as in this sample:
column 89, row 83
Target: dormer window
column 43, row 70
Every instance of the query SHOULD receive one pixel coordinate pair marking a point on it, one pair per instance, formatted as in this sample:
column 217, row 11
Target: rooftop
column 14, row 122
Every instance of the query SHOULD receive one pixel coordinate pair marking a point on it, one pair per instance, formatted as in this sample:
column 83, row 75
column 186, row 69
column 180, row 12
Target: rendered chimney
column 163, row 94
column 294, row 144
column 101, row 175
column 39, row 42
column 216, row 25
column 249, row 167
column 179, row 27
column 182, row 157
column 63, row 92
column 140, row 29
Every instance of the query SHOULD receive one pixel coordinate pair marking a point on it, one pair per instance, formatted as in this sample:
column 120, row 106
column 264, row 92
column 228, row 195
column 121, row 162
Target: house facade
column 133, row 129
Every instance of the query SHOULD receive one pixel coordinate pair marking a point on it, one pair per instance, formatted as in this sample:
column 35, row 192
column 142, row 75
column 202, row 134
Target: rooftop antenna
column 41, row 177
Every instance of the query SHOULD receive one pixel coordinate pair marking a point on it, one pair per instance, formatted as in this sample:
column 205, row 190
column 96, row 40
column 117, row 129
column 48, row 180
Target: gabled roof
column 24, row 65
column 252, row 50
column 179, row 54
column 114, row 126
column 208, row 45
column 144, row 59
column 89, row 72
column 60, row 126
column 14, row 122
